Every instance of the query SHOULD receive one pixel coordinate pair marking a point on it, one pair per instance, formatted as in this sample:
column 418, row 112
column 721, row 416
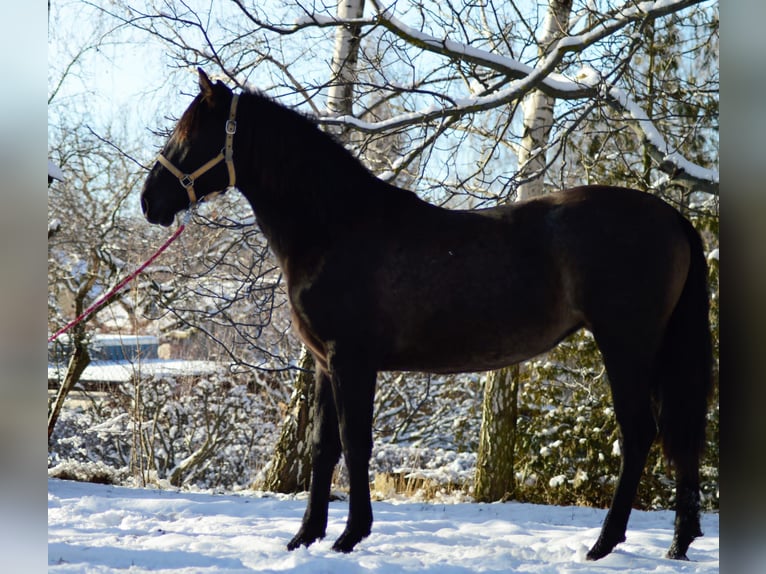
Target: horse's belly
column 480, row 348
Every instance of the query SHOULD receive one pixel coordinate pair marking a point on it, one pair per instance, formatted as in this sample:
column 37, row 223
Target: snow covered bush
column 206, row 432
column 89, row 431
column 422, row 410
column 566, row 428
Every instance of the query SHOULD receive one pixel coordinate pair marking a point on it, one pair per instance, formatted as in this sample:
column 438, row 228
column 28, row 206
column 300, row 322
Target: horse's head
column 197, row 161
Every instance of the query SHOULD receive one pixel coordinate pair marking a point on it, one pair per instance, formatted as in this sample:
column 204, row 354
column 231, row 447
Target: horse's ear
column 205, row 85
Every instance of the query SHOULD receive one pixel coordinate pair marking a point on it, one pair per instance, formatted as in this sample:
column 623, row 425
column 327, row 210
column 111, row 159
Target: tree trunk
column 538, row 110
column 494, row 478
column 80, row 358
column 77, row 363
column 290, row 468
column 497, row 443
column 345, row 55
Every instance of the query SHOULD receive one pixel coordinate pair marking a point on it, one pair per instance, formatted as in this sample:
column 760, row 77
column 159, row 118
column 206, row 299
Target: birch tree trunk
column 497, row 442
column 495, row 478
column 538, row 109
column 290, row 468
column 344, row 59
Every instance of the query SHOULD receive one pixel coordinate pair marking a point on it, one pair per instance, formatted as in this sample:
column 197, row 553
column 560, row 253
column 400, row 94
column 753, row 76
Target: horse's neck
column 302, row 216
column 305, row 189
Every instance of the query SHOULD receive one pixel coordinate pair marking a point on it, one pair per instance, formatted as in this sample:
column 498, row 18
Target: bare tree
column 91, row 238
column 462, row 86
column 458, row 77
column 90, row 245
column 495, row 469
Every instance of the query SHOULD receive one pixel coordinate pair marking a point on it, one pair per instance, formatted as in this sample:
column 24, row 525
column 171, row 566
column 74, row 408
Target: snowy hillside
column 97, row 528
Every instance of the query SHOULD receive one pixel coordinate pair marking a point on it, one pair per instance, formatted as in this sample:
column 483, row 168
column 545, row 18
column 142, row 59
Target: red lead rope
column 120, row 285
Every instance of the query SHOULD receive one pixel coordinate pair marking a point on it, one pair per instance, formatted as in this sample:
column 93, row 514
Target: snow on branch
column 546, row 80
column 324, row 20
column 307, row 20
column 587, row 83
column 668, row 160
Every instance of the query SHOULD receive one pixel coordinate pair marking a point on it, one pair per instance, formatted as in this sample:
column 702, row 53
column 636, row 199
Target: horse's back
column 475, row 290
column 440, row 290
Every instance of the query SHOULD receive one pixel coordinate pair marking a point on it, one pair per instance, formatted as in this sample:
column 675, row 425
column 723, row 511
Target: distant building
column 112, row 348
column 121, row 358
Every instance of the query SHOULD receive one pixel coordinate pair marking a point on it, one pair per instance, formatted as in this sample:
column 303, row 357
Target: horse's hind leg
column 629, row 378
column 687, row 524
column 325, row 454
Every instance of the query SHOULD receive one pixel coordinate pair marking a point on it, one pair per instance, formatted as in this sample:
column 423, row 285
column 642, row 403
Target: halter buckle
column 187, row 181
column 231, row 127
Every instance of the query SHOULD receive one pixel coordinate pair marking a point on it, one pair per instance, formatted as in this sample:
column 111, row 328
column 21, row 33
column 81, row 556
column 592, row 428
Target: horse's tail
column 685, row 365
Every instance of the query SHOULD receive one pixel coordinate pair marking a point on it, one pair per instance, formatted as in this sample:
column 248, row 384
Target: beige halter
column 227, row 154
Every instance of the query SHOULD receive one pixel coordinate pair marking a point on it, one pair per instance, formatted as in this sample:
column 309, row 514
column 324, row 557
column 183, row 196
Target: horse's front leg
column 325, row 454
column 354, row 388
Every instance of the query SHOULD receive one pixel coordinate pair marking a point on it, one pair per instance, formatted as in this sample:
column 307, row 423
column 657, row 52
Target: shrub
column 208, row 432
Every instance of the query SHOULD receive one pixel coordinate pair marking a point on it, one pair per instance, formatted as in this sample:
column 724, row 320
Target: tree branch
column 587, row 84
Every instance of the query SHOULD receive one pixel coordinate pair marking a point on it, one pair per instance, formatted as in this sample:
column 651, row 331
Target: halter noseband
column 226, row 154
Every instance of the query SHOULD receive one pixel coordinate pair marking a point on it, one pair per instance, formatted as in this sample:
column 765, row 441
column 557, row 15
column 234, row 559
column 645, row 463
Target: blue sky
column 111, row 85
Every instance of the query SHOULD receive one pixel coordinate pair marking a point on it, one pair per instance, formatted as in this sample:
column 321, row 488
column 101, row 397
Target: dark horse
column 380, row 280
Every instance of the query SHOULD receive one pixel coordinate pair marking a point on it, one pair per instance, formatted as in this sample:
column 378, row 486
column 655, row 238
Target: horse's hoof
column 673, row 554
column 347, row 541
column 601, row 548
column 597, row 553
column 681, row 543
column 677, row 550
column 304, row 538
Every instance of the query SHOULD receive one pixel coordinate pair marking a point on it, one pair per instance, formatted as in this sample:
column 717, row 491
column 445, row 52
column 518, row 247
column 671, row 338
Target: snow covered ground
column 97, row 528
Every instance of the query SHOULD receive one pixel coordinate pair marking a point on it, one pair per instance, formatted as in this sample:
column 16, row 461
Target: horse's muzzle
column 166, row 220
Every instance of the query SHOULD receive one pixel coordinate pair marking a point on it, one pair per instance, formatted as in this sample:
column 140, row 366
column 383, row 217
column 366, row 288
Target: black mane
column 295, row 162
column 300, row 134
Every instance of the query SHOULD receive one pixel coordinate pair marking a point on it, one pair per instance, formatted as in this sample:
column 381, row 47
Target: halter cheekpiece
column 226, row 155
